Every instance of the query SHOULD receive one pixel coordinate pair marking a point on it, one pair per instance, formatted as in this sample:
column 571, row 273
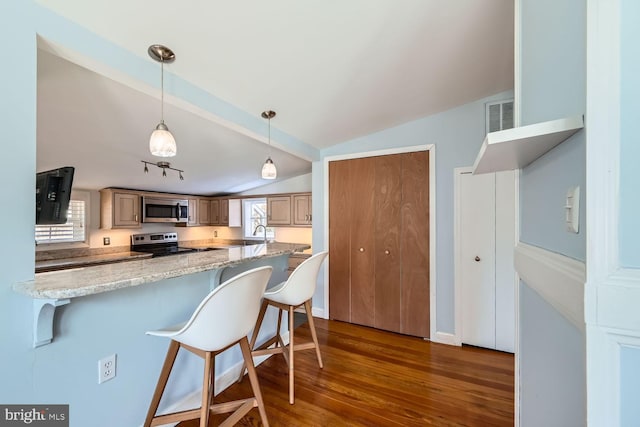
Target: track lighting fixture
column 164, row 166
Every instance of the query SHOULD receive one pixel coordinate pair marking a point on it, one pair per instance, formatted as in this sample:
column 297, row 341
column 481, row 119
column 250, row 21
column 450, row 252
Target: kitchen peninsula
column 56, row 288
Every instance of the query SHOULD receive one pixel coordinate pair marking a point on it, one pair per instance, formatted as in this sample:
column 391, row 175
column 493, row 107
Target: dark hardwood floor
column 378, row 378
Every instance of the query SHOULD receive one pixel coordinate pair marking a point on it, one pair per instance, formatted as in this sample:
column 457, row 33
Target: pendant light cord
column 269, row 137
column 162, row 91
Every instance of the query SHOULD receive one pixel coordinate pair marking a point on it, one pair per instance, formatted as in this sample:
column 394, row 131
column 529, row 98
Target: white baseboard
column 446, row 338
column 315, row 312
column 556, row 278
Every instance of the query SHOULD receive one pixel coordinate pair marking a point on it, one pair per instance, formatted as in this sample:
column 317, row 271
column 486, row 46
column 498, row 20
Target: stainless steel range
column 158, row 244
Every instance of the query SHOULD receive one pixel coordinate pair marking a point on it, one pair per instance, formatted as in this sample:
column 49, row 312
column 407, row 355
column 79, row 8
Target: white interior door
column 484, row 262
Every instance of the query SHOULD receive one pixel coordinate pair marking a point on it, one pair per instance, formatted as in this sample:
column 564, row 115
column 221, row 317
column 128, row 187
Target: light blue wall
column 553, row 87
column 553, row 44
column 543, row 192
column 629, row 386
column 630, row 129
column 93, row 327
column 552, row 350
column 457, row 135
column 629, row 194
column 17, row 106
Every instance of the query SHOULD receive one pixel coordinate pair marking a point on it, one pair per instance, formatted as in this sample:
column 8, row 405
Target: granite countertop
column 91, row 280
column 200, row 246
column 85, row 261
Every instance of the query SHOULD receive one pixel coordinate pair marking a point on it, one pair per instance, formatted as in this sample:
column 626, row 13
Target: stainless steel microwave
column 155, row 209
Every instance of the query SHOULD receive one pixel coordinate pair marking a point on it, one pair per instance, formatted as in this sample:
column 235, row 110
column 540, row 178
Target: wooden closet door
column 339, row 241
column 388, row 197
column 415, row 244
column 362, row 218
column 379, row 242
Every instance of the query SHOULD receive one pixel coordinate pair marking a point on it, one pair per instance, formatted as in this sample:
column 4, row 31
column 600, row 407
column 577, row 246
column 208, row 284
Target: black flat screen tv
column 53, row 192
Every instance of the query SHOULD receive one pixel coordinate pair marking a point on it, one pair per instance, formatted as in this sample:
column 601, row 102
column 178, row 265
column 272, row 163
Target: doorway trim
column 431, row 148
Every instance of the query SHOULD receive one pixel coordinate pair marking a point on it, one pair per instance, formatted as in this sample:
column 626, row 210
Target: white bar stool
column 289, row 295
column 223, row 319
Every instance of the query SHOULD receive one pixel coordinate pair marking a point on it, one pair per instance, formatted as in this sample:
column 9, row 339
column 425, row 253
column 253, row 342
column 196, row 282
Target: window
column 74, row 231
column 255, row 215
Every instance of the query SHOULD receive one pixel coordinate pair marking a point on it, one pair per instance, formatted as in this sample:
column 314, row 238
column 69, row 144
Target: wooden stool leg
column 291, row 350
column 279, row 325
column 172, row 352
column 254, row 336
column 253, row 378
column 312, row 327
column 206, row 389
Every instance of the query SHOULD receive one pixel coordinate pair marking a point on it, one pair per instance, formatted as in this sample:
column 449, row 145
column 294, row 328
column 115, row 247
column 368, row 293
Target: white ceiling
column 333, row 70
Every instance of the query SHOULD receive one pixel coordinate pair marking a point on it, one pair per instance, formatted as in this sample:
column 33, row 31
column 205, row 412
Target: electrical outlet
column 106, row 241
column 106, row 368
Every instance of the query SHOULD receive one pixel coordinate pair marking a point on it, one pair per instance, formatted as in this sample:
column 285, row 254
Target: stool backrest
column 302, row 282
column 228, row 313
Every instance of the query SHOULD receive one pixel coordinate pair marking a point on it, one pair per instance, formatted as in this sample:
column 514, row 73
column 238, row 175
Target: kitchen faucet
column 255, row 231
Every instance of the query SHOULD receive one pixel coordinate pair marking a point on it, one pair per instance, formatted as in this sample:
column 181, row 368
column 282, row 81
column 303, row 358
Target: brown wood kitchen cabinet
column 204, row 211
column 192, row 218
column 120, row 209
column 301, row 209
column 379, row 242
column 224, row 212
column 278, row 210
column 214, row 219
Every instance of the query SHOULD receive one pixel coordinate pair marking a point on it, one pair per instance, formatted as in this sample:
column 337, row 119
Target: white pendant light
column 162, row 143
column 269, row 168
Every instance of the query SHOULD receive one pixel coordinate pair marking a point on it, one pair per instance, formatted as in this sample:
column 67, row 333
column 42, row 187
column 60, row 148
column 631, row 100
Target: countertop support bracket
column 43, row 312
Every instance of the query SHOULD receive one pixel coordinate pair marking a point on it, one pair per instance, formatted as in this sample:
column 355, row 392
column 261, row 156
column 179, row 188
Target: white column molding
column 556, row 278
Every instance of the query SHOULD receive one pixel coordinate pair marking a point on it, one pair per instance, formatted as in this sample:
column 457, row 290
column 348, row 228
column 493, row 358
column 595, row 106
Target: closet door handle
column 361, row 249
column 387, row 252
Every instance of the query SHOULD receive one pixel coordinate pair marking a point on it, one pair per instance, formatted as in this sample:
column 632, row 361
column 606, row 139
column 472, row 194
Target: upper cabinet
column 224, row 212
column 517, row 147
column 122, row 208
column 301, row 209
column 204, row 211
column 235, row 213
column 193, row 212
column 278, row 210
column 289, row 210
column 119, row 209
column 215, row 212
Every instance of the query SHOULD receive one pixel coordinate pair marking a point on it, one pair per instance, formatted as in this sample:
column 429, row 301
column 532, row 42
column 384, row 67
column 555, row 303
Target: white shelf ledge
column 516, row 148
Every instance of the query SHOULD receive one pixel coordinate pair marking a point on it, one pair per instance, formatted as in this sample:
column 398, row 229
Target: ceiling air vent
column 499, row 115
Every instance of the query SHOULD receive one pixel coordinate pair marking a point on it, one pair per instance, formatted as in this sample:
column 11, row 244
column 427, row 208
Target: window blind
column 72, row 231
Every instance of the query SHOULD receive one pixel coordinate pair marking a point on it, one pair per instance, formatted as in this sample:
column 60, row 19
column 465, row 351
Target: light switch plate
column 572, row 210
